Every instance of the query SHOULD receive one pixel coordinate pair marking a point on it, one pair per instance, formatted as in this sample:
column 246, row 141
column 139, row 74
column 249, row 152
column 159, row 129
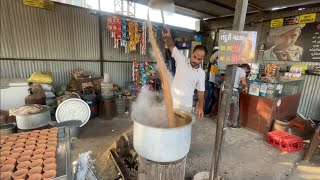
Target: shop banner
column 237, row 47
column 44, row 4
column 298, row 42
column 276, row 22
column 308, row 18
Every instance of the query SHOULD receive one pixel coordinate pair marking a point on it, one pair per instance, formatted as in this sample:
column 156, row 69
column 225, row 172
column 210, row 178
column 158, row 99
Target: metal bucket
column 33, row 121
column 154, row 141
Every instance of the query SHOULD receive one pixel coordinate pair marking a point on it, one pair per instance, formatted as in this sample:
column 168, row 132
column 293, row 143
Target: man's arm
column 201, row 92
column 200, row 103
column 178, row 56
column 166, row 34
column 244, row 84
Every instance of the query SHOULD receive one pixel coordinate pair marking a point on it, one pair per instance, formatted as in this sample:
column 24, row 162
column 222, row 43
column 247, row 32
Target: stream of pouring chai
column 163, row 76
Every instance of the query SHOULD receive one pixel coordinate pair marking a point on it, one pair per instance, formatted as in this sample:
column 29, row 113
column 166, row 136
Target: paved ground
column 245, row 154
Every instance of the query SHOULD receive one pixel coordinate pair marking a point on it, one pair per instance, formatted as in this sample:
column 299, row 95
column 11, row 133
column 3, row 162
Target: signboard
column 298, row 42
column 308, row 18
column 276, row 22
column 291, row 20
column 237, row 47
column 44, row 4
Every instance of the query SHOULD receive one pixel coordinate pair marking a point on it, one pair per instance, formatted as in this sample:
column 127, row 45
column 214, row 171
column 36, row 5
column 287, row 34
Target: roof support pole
column 226, row 93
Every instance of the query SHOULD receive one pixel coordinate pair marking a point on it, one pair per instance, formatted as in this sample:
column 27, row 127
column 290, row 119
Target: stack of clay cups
column 29, row 155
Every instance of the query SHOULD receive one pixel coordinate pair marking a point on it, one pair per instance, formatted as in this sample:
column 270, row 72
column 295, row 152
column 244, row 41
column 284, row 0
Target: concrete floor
column 245, row 154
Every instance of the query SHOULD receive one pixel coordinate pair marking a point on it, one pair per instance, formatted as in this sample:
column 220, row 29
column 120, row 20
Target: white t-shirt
column 239, row 74
column 186, row 80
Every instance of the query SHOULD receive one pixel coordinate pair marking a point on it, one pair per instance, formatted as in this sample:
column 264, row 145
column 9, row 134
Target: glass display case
column 276, row 89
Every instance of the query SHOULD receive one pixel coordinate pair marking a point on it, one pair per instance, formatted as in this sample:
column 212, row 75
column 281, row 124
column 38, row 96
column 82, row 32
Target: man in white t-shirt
column 188, row 77
column 241, row 77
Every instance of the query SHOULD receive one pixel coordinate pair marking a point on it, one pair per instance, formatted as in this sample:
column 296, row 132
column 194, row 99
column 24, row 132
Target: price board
column 237, row 47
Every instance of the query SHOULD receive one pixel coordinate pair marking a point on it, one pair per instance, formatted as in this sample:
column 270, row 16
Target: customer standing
column 240, row 78
column 211, row 98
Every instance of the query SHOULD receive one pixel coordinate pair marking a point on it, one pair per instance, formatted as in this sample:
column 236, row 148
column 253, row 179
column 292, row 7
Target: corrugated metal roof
column 216, row 8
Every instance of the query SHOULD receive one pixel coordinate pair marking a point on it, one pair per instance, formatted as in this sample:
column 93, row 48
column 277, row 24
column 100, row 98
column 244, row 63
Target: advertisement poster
column 296, row 42
column 291, row 20
column 237, row 47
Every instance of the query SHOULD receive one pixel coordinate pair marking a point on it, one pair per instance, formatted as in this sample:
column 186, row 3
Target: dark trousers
column 211, row 98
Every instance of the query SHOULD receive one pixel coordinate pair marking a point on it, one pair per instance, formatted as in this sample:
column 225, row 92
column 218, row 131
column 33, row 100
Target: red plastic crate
column 285, row 141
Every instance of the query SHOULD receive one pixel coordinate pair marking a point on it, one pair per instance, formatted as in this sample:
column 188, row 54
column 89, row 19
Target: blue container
column 91, row 99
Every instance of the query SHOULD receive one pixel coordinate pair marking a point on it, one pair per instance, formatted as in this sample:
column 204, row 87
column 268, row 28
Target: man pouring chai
column 189, row 76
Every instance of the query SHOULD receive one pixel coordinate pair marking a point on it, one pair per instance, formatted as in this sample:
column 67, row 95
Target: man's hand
column 199, row 110
column 245, row 90
column 166, row 33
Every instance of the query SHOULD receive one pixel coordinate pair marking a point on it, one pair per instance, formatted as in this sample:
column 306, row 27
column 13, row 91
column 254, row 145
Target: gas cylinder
column 90, row 97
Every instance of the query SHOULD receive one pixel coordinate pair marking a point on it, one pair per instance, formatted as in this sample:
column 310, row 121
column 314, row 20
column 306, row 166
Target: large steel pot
column 154, row 141
column 33, row 121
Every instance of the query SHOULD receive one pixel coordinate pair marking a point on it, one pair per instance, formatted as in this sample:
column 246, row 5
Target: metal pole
column 101, row 30
column 226, row 93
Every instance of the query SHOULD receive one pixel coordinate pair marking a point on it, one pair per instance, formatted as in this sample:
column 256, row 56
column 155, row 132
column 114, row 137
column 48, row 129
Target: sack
column 43, row 77
column 49, row 94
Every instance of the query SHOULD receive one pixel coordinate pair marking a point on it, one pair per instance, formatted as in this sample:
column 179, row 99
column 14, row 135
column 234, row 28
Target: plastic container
column 91, row 99
column 106, row 77
column 121, row 106
column 106, row 90
column 285, row 141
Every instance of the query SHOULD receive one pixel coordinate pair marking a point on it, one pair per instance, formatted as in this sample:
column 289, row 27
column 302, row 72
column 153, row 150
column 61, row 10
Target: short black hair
column 202, row 48
column 246, row 66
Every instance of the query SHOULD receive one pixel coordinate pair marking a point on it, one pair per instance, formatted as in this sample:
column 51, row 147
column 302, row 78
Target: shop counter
column 266, row 102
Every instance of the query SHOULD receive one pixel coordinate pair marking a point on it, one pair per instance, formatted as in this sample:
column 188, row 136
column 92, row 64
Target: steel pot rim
column 161, row 128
